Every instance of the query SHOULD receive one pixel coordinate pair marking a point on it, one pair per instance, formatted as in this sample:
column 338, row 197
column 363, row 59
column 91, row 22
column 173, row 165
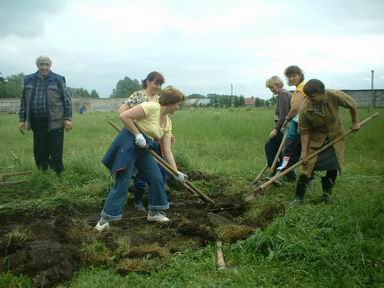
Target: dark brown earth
column 50, row 248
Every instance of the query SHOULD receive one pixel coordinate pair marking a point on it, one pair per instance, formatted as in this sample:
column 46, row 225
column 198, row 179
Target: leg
column 300, row 188
column 327, row 183
column 56, row 143
column 157, row 198
column 272, row 147
column 138, row 192
column 114, row 205
column 40, row 144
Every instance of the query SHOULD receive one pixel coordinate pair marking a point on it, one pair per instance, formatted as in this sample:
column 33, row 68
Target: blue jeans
column 144, row 162
column 140, row 182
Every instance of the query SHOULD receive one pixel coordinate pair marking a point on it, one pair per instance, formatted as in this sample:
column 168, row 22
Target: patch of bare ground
column 50, row 248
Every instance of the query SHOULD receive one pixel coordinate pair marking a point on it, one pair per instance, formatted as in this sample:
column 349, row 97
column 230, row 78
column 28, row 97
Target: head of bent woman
column 152, row 83
column 294, row 75
column 314, row 89
column 170, row 99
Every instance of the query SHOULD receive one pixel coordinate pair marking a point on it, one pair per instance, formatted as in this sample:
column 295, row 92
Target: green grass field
column 314, row 245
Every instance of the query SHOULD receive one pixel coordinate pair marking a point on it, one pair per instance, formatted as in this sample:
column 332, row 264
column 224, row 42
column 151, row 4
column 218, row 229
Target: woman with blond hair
column 275, row 84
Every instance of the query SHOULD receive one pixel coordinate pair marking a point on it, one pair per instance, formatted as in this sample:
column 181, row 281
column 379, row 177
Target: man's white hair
column 43, row 58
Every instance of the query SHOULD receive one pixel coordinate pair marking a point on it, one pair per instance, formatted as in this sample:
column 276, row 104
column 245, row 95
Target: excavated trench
column 50, row 249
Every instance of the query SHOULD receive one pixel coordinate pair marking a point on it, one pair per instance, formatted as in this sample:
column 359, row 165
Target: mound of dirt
column 50, row 248
column 48, row 262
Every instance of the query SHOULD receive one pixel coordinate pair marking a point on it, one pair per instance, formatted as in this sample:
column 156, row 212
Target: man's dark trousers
column 47, row 146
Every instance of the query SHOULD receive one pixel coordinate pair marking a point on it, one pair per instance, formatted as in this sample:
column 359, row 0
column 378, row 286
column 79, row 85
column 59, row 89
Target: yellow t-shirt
column 150, row 124
column 299, row 88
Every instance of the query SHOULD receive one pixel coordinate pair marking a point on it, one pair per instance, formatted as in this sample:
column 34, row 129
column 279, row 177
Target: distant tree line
column 83, row 93
column 11, row 87
column 217, row 100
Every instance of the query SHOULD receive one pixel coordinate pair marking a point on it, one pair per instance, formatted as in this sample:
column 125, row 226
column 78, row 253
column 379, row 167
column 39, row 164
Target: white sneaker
column 103, row 227
column 157, row 216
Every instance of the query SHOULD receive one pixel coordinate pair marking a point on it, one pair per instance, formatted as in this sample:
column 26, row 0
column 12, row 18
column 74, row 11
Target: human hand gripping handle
column 140, row 140
column 180, row 177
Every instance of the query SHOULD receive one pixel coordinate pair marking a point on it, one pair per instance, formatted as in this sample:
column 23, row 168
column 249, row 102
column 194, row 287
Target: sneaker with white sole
column 157, row 216
column 103, row 227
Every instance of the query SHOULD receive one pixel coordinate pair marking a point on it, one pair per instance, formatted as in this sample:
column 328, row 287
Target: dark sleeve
column 283, row 109
column 67, row 101
column 22, row 112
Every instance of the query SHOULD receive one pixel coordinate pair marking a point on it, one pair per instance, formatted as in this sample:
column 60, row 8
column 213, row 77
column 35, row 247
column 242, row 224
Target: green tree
column 241, row 101
column 11, row 86
column 94, row 94
column 260, row 102
column 78, row 92
column 236, row 101
column 125, row 87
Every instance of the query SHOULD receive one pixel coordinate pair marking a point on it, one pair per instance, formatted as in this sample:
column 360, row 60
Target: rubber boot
column 327, row 185
column 300, row 189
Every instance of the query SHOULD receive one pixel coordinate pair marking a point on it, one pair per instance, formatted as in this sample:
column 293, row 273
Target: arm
column 304, row 127
column 22, row 114
column 348, row 102
column 168, row 156
column 167, row 152
column 135, row 99
column 67, row 106
column 355, row 121
column 283, row 110
column 124, row 107
column 304, row 147
column 129, row 115
column 299, row 98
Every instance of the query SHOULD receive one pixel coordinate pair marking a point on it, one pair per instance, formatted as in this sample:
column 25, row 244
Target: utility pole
column 230, row 99
column 373, row 88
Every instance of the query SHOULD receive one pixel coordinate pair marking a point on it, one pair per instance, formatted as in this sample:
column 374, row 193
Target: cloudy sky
column 200, row 46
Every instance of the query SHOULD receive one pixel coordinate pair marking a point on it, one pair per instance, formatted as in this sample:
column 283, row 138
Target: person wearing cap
column 319, row 124
column 283, row 105
column 46, row 109
column 146, row 124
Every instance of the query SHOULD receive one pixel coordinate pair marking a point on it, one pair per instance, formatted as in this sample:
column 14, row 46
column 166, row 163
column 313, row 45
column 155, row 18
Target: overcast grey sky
column 200, row 46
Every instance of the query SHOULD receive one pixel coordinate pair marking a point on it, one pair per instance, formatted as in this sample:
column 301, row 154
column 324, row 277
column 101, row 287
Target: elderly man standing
column 46, row 108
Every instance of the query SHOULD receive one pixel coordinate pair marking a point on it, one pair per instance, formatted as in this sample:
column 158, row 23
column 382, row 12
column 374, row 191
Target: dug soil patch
column 50, row 248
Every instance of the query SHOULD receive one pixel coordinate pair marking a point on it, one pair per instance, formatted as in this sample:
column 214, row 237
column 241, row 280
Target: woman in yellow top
column 291, row 154
column 145, row 124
